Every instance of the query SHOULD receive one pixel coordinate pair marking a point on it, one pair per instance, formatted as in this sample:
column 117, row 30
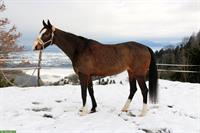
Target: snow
column 52, row 75
column 53, row 109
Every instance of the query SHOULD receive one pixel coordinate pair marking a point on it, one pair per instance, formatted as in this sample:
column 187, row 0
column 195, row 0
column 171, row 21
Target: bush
column 107, row 81
column 73, row 79
column 4, row 83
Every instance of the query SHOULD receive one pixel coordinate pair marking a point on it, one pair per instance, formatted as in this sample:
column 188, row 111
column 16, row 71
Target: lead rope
column 29, row 79
column 37, row 67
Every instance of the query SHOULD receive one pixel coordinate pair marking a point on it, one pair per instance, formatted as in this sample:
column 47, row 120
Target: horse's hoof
column 144, row 110
column 142, row 114
column 82, row 114
column 83, row 111
column 124, row 110
column 93, row 111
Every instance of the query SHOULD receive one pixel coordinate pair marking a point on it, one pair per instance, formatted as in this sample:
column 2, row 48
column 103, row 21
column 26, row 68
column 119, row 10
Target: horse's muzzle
column 37, row 46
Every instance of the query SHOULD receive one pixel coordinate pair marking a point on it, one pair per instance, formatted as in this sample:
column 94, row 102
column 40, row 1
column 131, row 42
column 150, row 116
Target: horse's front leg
column 84, row 83
column 91, row 92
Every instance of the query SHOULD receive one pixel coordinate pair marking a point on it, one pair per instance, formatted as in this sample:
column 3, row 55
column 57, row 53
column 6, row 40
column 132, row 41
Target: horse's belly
column 109, row 70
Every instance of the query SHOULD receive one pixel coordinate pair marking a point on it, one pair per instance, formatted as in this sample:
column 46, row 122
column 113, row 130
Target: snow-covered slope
column 54, row 109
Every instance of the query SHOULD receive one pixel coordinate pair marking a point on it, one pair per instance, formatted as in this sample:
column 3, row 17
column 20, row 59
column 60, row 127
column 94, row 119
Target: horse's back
column 130, row 56
column 136, row 56
column 100, row 59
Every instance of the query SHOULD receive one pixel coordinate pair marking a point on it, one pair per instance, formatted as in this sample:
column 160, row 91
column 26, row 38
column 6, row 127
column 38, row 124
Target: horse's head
column 45, row 37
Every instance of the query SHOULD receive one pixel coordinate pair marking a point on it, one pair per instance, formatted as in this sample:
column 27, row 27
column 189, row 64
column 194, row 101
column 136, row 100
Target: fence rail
column 7, row 60
column 28, row 68
column 178, row 65
column 158, row 64
column 178, row 71
column 160, row 70
column 38, row 68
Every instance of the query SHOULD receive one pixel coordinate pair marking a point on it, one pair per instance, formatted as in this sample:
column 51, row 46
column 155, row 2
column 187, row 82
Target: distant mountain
column 27, row 41
column 152, row 44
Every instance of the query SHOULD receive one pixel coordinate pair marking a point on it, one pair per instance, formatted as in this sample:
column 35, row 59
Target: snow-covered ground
column 52, row 75
column 54, row 109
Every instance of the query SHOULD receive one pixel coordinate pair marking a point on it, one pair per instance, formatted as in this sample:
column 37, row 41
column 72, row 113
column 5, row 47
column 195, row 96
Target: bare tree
column 8, row 35
column 8, row 42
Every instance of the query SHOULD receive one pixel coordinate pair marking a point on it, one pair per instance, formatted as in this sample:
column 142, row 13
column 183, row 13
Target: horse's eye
column 46, row 35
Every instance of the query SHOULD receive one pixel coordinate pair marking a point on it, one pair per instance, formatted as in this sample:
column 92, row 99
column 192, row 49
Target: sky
column 109, row 20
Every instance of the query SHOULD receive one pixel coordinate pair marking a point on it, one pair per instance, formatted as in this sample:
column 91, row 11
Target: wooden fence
column 47, row 67
column 38, row 67
column 176, row 70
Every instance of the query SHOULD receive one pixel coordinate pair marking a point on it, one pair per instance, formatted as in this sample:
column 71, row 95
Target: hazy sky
column 109, row 20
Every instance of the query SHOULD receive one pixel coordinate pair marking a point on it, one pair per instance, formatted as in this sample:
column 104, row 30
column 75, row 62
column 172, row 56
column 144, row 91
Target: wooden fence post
column 39, row 67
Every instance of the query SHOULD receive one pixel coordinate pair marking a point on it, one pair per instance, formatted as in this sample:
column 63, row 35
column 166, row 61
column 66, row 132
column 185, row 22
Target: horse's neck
column 67, row 42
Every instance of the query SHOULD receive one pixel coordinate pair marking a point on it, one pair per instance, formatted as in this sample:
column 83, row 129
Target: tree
column 187, row 52
column 8, row 35
column 8, row 39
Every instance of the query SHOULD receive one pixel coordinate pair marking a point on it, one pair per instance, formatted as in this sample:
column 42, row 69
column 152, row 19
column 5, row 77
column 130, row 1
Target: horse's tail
column 153, row 79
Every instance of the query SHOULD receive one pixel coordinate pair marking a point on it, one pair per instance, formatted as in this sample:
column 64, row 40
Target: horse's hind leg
column 142, row 84
column 84, row 84
column 133, row 89
column 91, row 92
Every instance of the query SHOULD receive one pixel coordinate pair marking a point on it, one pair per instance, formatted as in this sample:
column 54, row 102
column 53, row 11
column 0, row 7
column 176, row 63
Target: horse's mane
column 86, row 40
column 83, row 38
column 79, row 38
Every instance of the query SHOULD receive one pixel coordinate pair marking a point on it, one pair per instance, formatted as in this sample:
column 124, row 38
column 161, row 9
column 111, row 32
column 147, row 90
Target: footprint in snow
column 58, row 101
column 36, row 103
column 41, row 109
column 48, row 116
column 161, row 130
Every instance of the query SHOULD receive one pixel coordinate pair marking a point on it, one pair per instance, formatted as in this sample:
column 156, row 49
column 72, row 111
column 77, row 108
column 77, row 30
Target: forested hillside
column 187, row 52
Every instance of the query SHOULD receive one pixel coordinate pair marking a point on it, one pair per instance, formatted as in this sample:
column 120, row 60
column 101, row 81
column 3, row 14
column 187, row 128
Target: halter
column 50, row 40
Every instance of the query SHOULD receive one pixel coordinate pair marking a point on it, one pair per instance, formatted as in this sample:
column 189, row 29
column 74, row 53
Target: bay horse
column 91, row 58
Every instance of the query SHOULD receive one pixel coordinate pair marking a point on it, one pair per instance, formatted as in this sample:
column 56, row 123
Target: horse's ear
column 44, row 24
column 49, row 24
